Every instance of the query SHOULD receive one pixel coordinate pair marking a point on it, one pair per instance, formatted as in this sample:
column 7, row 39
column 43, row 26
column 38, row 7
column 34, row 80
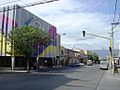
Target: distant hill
column 105, row 53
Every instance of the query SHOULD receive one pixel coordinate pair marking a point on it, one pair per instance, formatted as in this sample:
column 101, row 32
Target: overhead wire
column 37, row 3
column 9, row 2
column 118, row 21
column 31, row 4
column 4, row 1
column 115, row 9
column 119, row 15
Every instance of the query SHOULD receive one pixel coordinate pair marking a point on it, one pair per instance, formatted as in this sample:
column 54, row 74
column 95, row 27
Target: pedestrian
column 35, row 66
column 116, row 68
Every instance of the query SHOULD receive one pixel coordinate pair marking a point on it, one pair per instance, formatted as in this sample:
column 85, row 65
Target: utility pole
column 112, row 44
column 111, row 40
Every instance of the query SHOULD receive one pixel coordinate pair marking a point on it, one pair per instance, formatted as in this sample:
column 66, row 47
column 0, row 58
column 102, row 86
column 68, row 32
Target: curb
column 12, row 72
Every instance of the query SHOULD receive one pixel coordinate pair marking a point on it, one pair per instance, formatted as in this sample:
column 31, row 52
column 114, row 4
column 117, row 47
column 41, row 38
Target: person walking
column 116, row 68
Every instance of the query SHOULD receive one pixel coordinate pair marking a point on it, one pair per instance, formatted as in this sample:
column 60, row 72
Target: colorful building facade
column 15, row 16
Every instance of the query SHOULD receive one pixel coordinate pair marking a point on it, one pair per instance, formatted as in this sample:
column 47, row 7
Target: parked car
column 81, row 64
column 104, row 64
column 74, row 65
column 89, row 62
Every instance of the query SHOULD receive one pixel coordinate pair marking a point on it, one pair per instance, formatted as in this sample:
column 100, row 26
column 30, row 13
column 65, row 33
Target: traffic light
column 83, row 33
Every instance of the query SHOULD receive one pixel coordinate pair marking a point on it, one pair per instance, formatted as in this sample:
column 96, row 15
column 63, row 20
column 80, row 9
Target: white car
column 104, row 64
column 81, row 64
column 89, row 62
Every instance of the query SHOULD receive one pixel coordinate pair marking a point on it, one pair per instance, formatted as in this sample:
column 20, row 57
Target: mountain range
column 105, row 53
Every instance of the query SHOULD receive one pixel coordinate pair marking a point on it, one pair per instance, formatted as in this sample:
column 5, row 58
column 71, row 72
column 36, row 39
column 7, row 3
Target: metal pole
column 114, row 24
column 12, row 43
column 110, row 61
column 112, row 46
column 13, row 62
column 111, row 39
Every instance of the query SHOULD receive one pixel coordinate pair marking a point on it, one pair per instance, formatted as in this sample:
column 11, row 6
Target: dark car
column 74, row 65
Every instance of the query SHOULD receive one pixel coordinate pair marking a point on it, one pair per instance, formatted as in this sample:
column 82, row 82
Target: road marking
column 101, row 78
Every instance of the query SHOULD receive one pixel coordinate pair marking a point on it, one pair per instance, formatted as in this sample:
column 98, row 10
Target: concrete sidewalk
column 42, row 70
column 109, row 81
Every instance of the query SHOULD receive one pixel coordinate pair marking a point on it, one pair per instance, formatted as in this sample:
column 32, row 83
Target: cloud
column 74, row 16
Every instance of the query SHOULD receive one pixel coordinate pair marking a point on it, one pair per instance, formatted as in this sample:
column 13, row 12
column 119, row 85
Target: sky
column 74, row 16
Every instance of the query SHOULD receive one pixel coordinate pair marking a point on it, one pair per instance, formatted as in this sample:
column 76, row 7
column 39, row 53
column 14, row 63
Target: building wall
column 20, row 17
column 6, row 24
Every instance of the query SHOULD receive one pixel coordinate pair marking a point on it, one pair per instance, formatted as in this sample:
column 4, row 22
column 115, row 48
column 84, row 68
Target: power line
column 115, row 8
column 119, row 15
column 10, row 2
column 37, row 3
column 31, row 4
column 5, row 1
column 119, row 18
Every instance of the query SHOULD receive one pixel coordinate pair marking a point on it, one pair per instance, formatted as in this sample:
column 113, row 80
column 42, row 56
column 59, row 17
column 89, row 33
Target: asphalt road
column 85, row 78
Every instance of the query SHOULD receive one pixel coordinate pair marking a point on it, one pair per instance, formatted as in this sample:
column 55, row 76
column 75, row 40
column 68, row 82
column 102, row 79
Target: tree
column 95, row 57
column 27, row 38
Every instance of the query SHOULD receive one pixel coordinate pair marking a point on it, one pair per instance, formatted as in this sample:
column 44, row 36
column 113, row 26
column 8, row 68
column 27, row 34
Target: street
column 85, row 78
